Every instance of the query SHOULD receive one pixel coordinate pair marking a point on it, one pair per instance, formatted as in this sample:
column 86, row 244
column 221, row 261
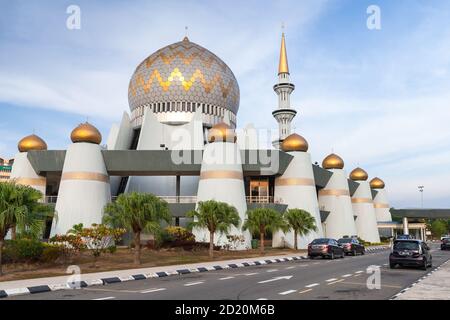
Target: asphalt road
column 338, row 279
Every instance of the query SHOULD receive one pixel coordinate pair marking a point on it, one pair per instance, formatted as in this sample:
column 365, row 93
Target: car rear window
column 406, row 245
column 345, row 240
column 446, row 239
column 320, row 241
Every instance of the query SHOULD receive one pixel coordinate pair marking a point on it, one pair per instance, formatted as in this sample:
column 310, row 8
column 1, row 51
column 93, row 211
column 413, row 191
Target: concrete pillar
column 405, row 225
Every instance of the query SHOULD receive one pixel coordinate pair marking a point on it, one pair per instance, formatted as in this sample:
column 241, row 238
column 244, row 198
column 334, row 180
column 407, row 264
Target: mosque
column 179, row 141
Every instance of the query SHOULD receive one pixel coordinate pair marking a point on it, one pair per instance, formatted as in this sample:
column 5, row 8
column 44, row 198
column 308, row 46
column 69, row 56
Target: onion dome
column 333, row 161
column 377, row 183
column 358, row 174
column 86, row 132
column 221, row 132
column 294, row 142
column 31, row 142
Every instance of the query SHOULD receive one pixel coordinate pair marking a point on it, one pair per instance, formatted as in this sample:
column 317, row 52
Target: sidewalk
column 434, row 286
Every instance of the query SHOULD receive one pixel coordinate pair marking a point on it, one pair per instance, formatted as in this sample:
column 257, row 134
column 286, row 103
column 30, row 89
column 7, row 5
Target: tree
column 438, row 228
column 20, row 208
column 262, row 220
column 216, row 217
column 301, row 222
column 137, row 212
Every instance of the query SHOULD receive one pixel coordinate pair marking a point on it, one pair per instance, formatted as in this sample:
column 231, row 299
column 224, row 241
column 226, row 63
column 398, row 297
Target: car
column 351, row 246
column 445, row 236
column 414, row 253
column 403, row 237
column 325, row 248
column 445, row 245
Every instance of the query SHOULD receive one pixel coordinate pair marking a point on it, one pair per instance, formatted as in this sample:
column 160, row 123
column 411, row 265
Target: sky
column 378, row 98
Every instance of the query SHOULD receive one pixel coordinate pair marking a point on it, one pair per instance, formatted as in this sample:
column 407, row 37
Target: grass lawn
column 123, row 259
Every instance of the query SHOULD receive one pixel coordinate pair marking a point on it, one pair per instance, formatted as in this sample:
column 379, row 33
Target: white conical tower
column 284, row 114
column 84, row 189
column 22, row 172
column 221, row 179
column 366, row 222
column 297, row 188
column 335, row 198
column 380, row 202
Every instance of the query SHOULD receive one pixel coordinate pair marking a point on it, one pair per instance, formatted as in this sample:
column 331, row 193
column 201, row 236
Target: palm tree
column 262, row 220
column 20, row 208
column 214, row 216
column 301, row 222
column 137, row 212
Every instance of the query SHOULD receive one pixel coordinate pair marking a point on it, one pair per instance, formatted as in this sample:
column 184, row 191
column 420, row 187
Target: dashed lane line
column 331, row 283
column 272, row 270
column 291, row 267
column 331, row 280
column 347, row 275
column 153, row 290
column 193, row 283
column 311, row 285
column 305, row 291
column 251, row 274
column 360, row 271
column 226, row 278
column 262, row 299
column 287, row 292
column 105, row 298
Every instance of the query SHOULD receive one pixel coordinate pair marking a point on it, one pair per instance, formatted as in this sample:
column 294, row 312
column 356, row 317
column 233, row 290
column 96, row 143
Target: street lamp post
column 421, row 195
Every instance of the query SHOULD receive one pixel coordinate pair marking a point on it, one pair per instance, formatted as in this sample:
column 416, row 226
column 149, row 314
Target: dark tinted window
column 345, row 240
column 320, row 241
column 406, row 245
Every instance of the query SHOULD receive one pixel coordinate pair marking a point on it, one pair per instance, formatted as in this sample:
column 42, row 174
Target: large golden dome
column 358, row 174
column 183, row 77
column 86, row 132
column 294, row 142
column 31, row 142
column 333, row 161
column 221, row 132
column 377, row 183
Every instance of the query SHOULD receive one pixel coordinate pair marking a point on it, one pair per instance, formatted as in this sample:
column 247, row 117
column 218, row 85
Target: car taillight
column 348, row 245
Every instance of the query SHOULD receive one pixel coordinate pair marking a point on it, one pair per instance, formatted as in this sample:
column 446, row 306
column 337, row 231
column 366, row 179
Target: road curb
column 160, row 274
column 418, row 281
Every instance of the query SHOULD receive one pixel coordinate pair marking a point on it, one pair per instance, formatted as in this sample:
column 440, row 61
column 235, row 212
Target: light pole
column 421, row 195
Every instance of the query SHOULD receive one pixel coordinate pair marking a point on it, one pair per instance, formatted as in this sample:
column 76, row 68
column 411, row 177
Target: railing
column 50, row 199
column 173, row 199
column 263, row 199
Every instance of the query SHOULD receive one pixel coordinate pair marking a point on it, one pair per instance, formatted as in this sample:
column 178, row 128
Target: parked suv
column 325, row 248
column 351, row 246
column 445, row 245
column 410, row 253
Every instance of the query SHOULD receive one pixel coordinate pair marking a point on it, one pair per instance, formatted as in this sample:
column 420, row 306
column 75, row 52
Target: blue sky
column 378, row 98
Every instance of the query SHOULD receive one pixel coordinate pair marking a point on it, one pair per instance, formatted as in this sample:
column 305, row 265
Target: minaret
column 284, row 114
column 84, row 188
column 297, row 188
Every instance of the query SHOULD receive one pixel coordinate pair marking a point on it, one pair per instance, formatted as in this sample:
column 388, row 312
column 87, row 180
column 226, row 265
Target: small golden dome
column 294, row 142
column 31, row 142
column 221, row 132
column 359, row 174
column 333, row 161
column 86, row 132
column 377, row 183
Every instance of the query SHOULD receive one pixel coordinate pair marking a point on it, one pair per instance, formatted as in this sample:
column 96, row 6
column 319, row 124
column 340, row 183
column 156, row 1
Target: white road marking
column 226, row 278
column 153, row 290
column 262, row 299
column 304, row 291
column 346, row 275
column 311, row 285
column 330, row 280
column 287, row 292
column 272, row 270
column 386, row 264
column 251, row 274
column 276, row 279
column 193, row 283
column 292, row 267
column 360, row 271
column 105, row 298
column 336, row 282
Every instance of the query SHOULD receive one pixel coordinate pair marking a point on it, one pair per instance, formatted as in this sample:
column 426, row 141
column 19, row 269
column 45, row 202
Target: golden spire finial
column 186, row 33
column 283, row 65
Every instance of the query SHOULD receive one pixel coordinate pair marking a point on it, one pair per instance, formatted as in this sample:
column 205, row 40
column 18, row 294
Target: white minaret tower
column 366, row 221
column 221, row 179
column 84, row 189
column 284, row 114
column 297, row 188
column 335, row 198
column 22, row 172
column 380, row 202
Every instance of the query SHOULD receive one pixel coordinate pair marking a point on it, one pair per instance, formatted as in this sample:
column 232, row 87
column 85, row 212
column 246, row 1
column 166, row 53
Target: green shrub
column 51, row 253
column 23, row 250
column 180, row 234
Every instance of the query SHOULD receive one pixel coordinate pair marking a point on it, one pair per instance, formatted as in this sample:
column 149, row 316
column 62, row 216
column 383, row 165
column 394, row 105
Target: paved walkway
column 434, row 287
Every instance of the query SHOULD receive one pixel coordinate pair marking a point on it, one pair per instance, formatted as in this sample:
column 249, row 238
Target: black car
column 325, row 248
column 445, row 245
column 410, row 253
column 352, row 246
